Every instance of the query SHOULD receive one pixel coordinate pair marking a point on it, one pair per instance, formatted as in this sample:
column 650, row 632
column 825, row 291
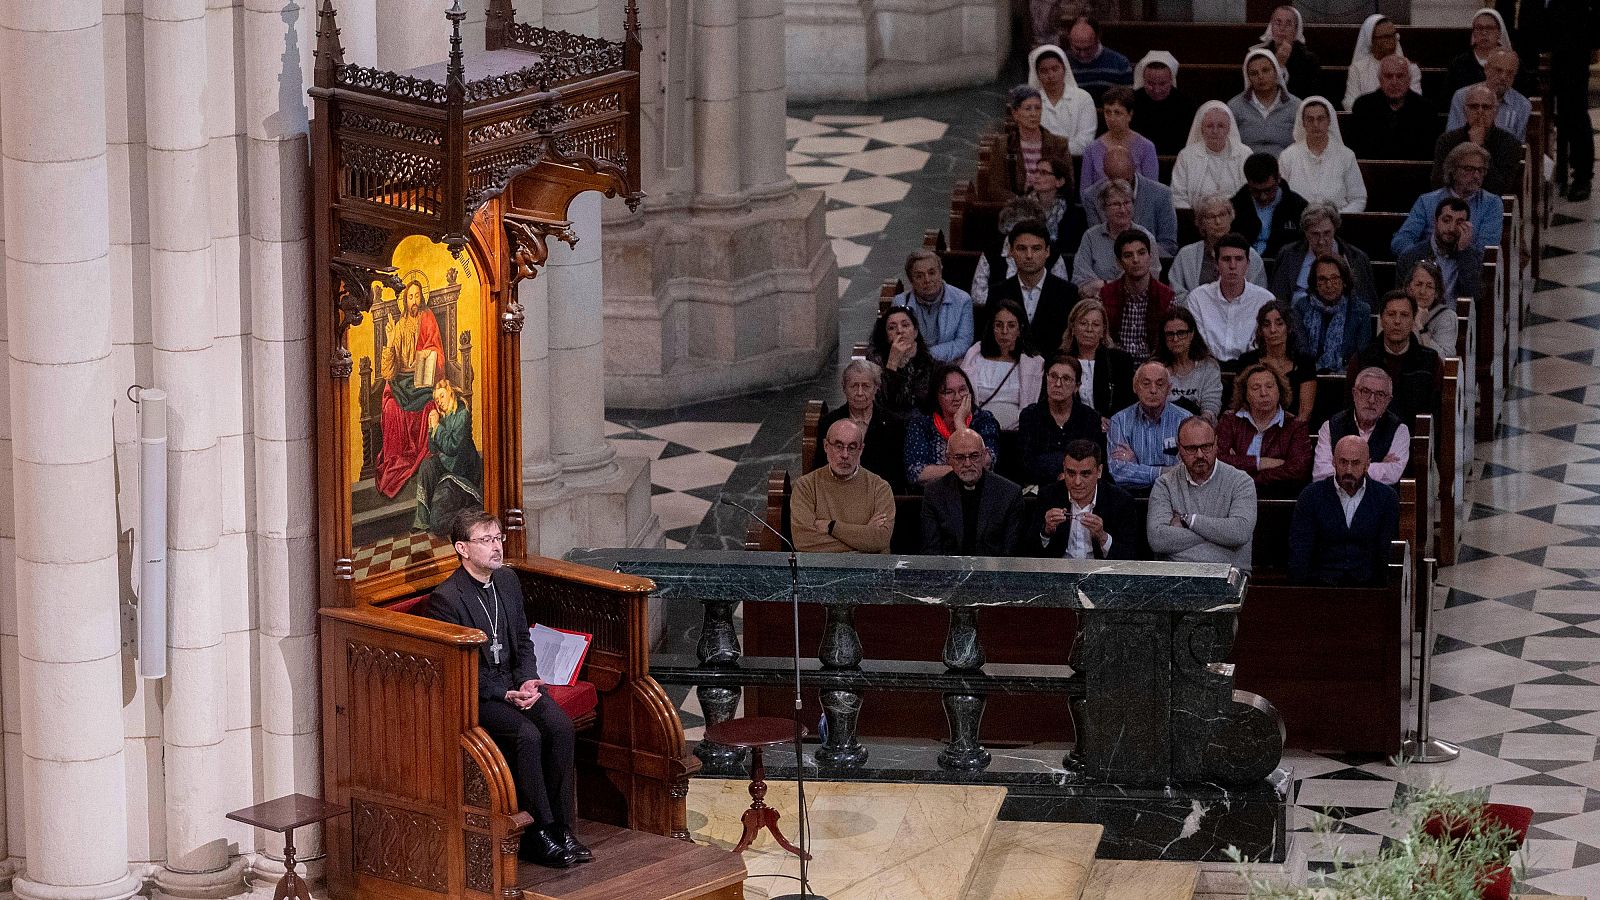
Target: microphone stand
column 799, row 733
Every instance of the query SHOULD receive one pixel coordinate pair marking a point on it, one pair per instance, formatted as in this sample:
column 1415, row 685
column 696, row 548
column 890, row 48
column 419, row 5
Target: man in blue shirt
column 1143, row 438
column 1464, row 169
column 943, row 313
column 1512, row 115
column 1094, row 66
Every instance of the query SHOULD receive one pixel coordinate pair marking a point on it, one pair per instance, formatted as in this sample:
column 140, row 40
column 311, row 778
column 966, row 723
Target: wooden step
column 1114, row 879
column 1035, row 861
column 639, row 866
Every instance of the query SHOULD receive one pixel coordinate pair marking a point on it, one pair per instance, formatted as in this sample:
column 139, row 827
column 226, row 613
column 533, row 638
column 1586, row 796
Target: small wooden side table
column 284, row 815
column 756, row 732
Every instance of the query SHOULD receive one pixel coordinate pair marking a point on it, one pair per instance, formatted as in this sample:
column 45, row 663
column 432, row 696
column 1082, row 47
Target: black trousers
column 537, row 742
column 1569, row 77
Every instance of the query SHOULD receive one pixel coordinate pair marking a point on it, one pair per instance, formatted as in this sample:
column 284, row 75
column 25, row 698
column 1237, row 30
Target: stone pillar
column 10, row 742
column 358, row 31
column 541, row 476
column 870, row 49
column 719, row 140
column 761, row 107
column 281, row 359
column 57, row 282
column 577, row 361
column 183, row 325
column 410, row 33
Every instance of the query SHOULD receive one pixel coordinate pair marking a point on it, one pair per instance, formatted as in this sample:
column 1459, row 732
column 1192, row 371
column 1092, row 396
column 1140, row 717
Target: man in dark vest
column 1342, row 525
column 535, row 734
column 1388, row 439
column 1416, row 371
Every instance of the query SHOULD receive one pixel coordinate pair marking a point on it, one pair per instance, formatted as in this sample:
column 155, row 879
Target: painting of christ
column 409, row 364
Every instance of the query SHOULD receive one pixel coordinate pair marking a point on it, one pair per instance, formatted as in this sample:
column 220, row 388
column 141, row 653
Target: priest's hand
column 527, row 695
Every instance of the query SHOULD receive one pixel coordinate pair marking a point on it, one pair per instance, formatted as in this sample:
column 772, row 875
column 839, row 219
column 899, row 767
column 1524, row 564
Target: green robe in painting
column 450, row 479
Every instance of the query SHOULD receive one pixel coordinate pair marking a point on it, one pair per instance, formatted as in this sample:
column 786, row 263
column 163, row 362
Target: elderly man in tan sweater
column 842, row 507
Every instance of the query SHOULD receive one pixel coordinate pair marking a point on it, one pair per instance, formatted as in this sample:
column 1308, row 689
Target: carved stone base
column 844, row 49
column 226, row 882
column 751, row 302
column 612, row 513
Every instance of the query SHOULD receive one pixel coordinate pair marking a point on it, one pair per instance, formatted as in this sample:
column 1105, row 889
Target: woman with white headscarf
column 1319, row 167
column 1069, row 111
column 1213, row 161
column 1161, row 112
column 1379, row 38
column 1265, row 112
column 1489, row 34
column 1286, row 38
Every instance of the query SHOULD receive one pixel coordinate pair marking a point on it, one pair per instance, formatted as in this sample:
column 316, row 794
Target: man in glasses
column 1369, row 417
column 1464, row 170
column 1512, row 109
column 535, row 734
column 1460, row 261
column 971, row 511
column 842, row 507
column 1202, row 510
column 1505, row 151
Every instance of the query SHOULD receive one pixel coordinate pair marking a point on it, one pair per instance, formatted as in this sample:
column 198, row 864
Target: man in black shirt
column 1393, row 122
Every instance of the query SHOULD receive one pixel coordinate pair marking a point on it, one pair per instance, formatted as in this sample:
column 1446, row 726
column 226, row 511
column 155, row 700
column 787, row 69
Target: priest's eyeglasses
column 488, row 539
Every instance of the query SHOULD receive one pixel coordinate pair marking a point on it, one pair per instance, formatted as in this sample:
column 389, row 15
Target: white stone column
column 183, row 324
column 541, row 476
column 358, row 30
column 10, row 804
column 411, row 33
column 718, row 143
column 761, row 104
column 57, row 283
column 281, row 364
column 576, row 382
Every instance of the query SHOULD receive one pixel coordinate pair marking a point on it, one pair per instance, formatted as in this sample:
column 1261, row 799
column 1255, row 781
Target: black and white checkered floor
column 1516, row 678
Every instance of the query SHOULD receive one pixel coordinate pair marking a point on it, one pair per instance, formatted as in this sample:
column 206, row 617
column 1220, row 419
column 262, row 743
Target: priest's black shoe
column 542, row 847
column 569, row 842
column 1579, row 192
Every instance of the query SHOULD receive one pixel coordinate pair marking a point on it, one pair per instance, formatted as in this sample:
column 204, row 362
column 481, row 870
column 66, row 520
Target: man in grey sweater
column 1202, row 510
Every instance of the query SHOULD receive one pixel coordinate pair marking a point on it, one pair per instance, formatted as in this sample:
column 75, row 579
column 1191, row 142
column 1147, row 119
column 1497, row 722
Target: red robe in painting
column 405, row 414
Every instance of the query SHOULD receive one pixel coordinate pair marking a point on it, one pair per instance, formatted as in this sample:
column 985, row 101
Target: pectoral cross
column 494, row 651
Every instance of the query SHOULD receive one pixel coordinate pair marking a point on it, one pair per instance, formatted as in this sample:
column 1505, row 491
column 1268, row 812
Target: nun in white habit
column 1363, row 76
column 1213, row 160
column 1318, row 166
column 1069, row 111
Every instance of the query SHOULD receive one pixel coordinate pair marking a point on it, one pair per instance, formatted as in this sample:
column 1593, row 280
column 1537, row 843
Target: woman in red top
column 1258, row 436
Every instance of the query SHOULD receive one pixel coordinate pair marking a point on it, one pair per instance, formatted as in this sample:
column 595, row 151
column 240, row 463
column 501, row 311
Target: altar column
column 10, row 742
column 762, row 113
column 719, row 139
column 67, row 586
column 183, row 325
column 281, row 362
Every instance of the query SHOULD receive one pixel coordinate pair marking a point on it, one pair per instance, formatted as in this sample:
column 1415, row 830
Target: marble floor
column 1517, row 672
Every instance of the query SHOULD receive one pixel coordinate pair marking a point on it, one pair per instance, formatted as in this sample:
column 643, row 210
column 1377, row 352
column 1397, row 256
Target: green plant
column 1416, row 866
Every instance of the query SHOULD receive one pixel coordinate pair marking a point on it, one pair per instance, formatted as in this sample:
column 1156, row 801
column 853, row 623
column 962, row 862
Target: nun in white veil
column 1489, row 33
column 1318, row 166
column 1286, row 38
column 1363, row 76
column 1213, row 161
column 1069, row 111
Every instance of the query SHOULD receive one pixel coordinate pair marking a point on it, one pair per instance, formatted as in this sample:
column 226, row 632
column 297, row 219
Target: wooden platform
column 638, row 866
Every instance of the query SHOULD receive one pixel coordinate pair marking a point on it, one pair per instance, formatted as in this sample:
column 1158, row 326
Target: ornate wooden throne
column 453, row 178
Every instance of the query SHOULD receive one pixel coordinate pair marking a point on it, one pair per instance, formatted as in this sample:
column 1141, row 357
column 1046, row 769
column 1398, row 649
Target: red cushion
column 407, row 604
column 1515, row 818
column 576, row 699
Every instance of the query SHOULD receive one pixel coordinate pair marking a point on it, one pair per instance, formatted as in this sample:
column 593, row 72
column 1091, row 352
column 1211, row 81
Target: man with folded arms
column 1203, row 510
column 842, row 507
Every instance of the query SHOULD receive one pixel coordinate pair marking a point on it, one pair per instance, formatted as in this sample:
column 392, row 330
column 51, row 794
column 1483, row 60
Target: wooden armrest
column 585, row 575
column 407, row 625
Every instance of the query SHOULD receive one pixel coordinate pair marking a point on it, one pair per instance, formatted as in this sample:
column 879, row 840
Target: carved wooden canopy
column 448, row 179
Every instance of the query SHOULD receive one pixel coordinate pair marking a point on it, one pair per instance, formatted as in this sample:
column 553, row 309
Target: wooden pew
column 402, row 746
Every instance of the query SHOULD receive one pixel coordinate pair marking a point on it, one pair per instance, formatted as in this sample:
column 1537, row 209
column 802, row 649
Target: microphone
column 799, row 746
column 759, row 520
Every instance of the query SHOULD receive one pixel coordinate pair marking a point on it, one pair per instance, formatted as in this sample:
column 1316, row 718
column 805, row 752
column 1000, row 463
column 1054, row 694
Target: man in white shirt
column 1225, row 310
column 1085, row 516
column 1369, row 417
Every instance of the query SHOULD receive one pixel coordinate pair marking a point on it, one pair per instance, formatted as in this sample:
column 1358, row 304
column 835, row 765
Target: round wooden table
column 755, row 733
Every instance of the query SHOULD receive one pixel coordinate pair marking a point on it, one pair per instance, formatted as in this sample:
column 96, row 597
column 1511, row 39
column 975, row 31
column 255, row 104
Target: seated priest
column 1369, row 417
column 1393, row 122
column 1342, row 526
column 971, row 511
column 1143, row 437
column 1416, row 370
column 1202, row 510
column 534, row 733
column 1085, row 516
column 842, row 507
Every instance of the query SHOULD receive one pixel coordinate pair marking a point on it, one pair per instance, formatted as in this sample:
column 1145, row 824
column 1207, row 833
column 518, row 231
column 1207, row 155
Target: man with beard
column 411, row 361
column 1505, row 152
column 1451, row 248
column 1464, row 169
column 1342, row 525
column 1369, row 418
column 1202, row 510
